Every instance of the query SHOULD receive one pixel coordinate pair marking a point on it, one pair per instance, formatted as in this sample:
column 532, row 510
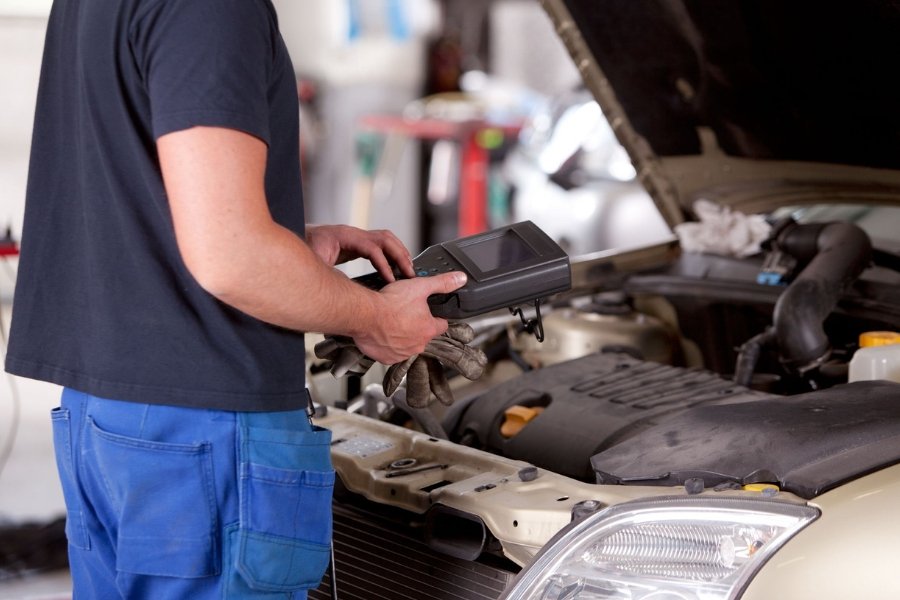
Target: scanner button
column 422, row 273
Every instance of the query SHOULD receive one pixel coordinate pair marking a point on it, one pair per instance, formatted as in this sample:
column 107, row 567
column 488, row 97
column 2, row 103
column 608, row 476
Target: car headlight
column 684, row 548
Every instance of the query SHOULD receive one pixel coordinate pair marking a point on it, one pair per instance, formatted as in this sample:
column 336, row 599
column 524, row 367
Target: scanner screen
column 505, row 250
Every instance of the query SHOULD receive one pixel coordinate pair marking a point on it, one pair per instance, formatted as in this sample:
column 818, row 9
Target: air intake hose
column 835, row 254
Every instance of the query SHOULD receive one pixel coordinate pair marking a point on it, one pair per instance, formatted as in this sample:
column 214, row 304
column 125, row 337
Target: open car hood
column 754, row 104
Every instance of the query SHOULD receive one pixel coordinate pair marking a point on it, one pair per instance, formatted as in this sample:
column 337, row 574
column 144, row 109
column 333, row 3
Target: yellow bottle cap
column 759, row 487
column 878, row 338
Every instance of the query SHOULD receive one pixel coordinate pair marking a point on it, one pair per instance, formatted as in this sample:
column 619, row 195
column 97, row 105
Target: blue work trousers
column 169, row 503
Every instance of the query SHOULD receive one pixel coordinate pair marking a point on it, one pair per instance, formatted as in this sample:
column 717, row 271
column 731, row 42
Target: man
column 165, row 280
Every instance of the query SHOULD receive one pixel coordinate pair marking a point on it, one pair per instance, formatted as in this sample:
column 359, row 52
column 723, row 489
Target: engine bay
column 637, row 363
column 633, row 393
column 665, row 391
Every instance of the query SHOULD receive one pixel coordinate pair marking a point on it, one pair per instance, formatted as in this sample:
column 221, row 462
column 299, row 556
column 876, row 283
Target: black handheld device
column 506, row 267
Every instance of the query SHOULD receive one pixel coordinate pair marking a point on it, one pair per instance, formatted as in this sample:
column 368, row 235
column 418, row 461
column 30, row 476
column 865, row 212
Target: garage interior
column 733, row 341
column 361, row 66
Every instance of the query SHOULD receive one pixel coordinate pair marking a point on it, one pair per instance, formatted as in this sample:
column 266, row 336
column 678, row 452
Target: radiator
column 382, row 559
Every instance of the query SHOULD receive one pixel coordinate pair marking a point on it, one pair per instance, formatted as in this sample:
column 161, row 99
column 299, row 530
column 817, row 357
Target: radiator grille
column 379, row 559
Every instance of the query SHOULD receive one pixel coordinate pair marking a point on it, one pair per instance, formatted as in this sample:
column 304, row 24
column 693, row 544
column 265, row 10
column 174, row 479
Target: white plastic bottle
column 878, row 357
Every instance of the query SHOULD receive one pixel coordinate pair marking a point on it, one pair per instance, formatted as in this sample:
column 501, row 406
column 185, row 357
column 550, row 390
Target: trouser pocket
column 283, row 540
column 163, row 499
column 76, row 529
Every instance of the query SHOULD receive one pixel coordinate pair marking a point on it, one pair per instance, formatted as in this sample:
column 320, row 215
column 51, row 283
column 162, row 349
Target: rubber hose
column 839, row 254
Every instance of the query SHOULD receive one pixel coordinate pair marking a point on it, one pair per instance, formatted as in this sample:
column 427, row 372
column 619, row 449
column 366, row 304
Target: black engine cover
column 807, row 444
column 590, row 404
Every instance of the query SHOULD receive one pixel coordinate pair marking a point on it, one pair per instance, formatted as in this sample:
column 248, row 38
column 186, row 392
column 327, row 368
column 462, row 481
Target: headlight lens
column 683, row 548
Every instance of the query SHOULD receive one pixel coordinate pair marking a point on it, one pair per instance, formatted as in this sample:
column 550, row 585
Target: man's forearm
column 274, row 276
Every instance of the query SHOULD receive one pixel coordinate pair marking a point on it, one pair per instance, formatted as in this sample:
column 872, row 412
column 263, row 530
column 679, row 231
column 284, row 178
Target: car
column 702, row 420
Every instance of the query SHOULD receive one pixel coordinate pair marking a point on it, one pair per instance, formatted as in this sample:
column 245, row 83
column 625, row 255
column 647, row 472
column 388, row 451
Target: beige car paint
column 850, row 552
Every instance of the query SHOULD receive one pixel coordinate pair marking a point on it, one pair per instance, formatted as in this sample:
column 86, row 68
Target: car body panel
column 522, row 515
column 849, row 552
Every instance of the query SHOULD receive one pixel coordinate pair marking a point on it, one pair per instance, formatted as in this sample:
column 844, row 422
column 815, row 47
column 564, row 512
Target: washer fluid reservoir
column 878, row 357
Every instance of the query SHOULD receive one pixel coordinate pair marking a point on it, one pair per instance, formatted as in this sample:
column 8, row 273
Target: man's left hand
column 336, row 244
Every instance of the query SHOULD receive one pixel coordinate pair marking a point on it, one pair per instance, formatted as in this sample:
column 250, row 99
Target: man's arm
column 214, row 178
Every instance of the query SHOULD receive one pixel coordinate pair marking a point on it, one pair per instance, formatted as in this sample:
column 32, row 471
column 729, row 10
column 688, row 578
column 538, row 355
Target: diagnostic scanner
column 506, row 268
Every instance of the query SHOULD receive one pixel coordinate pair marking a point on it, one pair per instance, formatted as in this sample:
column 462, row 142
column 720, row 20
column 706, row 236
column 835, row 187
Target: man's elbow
column 215, row 274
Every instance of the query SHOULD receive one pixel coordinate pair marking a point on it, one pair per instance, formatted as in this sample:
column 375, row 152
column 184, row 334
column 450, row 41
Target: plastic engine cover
column 806, row 444
column 590, row 404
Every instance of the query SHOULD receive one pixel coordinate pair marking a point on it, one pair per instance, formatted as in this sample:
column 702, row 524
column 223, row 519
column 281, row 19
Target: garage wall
column 29, row 489
column 25, row 8
column 21, row 44
column 363, row 58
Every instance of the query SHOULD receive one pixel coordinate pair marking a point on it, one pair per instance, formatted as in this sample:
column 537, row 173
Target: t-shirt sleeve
column 206, row 62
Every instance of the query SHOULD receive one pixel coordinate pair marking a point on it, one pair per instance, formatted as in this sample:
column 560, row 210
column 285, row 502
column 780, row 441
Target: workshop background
column 408, row 110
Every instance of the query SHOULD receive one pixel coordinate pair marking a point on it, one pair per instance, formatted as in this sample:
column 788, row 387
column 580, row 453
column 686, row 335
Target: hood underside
column 755, row 93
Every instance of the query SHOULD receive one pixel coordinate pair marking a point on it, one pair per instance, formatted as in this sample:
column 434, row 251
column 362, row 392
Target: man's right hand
column 406, row 324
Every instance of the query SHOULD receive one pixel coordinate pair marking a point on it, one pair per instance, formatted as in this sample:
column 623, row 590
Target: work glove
column 345, row 357
column 425, row 372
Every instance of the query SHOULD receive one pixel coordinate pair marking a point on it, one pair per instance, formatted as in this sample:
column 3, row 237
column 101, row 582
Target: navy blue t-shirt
column 104, row 303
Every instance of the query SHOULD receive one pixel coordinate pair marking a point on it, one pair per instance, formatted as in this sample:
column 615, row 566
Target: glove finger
column 362, row 365
column 327, row 348
column 351, row 360
column 470, row 362
column 461, row 332
column 332, row 345
column 445, row 349
column 395, row 374
column 343, row 362
column 418, row 393
column 471, row 365
column 437, row 381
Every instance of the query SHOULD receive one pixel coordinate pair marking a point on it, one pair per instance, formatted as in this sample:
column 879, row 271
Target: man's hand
column 336, row 244
column 407, row 324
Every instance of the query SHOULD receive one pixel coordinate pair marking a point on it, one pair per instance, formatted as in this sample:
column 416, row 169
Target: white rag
column 722, row 231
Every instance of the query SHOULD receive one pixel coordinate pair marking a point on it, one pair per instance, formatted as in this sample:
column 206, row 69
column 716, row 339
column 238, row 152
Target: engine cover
column 807, row 444
column 590, row 404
